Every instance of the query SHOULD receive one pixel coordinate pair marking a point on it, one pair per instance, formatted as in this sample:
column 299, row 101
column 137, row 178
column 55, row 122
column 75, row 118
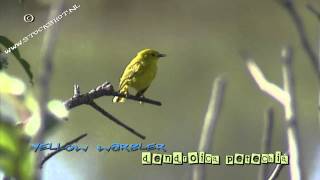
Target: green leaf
column 16, row 159
column 26, row 66
column 8, row 43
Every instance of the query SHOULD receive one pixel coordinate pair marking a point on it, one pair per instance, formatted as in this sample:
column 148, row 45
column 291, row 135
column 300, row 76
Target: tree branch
column 314, row 10
column 286, row 97
column 106, row 89
column 266, row 141
column 209, row 124
column 117, row 121
column 297, row 20
column 269, row 88
column 50, row 155
column 293, row 138
column 48, row 47
column 276, row 171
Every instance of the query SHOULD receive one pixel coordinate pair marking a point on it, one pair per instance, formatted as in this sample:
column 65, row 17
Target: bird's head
column 150, row 54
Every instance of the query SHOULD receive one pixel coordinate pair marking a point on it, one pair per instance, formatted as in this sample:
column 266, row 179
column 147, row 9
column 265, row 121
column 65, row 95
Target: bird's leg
column 126, row 94
column 140, row 94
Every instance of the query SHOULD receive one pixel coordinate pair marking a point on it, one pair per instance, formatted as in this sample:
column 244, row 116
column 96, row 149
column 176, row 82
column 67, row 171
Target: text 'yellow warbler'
column 139, row 73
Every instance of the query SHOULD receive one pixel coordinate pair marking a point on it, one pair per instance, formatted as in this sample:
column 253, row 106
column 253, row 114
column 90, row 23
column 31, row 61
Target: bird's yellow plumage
column 139, row 73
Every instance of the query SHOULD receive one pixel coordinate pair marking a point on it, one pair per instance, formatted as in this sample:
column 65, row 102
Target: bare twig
column 266, row 142
column 61, row 149
column 209, row 124
column 276, row 171
column 117, row 121
column 293, row 137
column 267, row 87
column 106, row 89
column 286, row 97
column 297, row 20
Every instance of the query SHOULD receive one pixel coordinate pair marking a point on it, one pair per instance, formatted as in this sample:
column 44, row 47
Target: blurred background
column 203, row 39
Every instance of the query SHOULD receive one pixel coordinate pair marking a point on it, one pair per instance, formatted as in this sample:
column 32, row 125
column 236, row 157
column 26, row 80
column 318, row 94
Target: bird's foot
column 126, row 94
column 142, row 96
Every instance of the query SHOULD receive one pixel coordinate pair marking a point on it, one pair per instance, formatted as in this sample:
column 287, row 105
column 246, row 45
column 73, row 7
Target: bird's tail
column 118, row 99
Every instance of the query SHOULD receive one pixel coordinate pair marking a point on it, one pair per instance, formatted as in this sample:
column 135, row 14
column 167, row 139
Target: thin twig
column 293, row 138
column 209, row 124
column 276, row 171
column 61, row 149
column 117, row 121
column 266, row 142
column 297, row 20
column 106, row 89
column 267, row 87
column 286, row 97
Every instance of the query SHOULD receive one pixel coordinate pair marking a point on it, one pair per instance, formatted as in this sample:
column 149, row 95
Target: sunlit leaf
column 58, row 108
column 8, row 108
column 56, row 113
column 11, row 85
column 33, row 124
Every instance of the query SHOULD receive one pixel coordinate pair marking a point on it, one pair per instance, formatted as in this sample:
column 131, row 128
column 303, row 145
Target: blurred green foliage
column 16, row 159
column 19, row 123
column 20, row 120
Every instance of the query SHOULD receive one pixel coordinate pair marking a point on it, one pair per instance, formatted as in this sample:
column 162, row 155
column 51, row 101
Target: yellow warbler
column 139, row 73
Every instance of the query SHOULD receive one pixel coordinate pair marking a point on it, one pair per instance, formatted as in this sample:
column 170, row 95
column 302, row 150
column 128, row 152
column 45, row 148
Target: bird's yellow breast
column 144, row 78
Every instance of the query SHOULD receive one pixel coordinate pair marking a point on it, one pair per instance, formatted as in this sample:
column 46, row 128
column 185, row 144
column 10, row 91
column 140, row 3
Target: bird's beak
column 162, row 55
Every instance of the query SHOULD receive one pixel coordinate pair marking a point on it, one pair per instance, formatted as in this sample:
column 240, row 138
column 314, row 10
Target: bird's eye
column 153, row 54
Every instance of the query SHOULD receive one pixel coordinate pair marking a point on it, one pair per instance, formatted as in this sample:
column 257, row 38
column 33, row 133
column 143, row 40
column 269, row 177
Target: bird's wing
column 130, row 72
